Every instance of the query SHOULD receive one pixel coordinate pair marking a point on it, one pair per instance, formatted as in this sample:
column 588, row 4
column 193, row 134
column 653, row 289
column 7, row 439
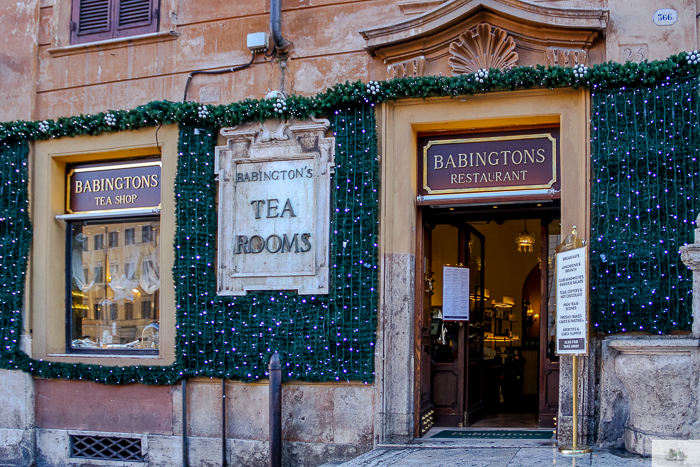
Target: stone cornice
column 455, row 11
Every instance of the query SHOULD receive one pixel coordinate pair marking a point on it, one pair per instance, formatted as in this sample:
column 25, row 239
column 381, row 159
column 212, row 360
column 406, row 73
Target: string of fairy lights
column 332, row 337
column 644, row 161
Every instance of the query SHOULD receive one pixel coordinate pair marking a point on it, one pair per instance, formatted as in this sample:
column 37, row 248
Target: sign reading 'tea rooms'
column 274, row 208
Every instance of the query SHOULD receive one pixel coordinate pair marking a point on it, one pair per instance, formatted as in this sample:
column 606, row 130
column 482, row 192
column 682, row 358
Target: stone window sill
column 650, row 345
column 85, row 356
column 111, row 44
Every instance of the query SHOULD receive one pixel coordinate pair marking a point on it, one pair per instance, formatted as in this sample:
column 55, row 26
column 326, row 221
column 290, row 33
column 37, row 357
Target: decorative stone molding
column 407, row 69
column 274, row 207
column 482, row 48
column 533, row 29
column 455, row 11
column 557, row 56
column 414, row 7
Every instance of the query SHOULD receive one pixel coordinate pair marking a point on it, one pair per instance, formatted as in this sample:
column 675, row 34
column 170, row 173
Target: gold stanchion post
column 573, row 242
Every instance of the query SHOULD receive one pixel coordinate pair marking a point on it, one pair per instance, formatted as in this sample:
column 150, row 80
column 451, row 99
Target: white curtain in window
column 83, row 261
column 124, row 263
column 150, row 269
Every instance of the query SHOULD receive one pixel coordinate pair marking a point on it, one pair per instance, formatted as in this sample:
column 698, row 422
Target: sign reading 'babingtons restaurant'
column 495, row 163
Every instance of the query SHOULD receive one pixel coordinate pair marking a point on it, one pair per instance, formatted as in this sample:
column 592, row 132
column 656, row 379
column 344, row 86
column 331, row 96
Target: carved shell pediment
column 483, row 47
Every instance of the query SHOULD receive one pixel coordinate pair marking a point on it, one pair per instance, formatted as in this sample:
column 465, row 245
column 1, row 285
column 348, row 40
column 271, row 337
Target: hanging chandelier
column 525, row 241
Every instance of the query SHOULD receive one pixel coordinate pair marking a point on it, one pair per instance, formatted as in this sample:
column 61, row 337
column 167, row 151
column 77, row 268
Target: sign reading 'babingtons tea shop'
column 489, row 163
column 117, row 186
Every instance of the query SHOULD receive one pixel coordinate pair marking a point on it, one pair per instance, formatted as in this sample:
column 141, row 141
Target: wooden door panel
column 445, row 386
column 551, row 395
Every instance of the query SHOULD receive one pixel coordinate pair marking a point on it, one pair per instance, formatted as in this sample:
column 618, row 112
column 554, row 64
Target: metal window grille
column 106, row 447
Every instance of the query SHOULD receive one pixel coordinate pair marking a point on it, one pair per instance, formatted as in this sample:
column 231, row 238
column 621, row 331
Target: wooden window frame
column 113, row 30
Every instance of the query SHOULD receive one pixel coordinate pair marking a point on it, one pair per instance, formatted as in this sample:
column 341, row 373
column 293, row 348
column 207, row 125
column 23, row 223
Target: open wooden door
column 474, row 254
column 549, row 362
column 424, row 290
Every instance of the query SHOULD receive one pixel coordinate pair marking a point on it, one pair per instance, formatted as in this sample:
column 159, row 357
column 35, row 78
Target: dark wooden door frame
column 549, row 369
column 423, row 408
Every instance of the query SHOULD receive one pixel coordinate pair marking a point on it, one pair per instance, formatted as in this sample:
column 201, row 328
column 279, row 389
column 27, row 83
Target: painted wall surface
column 19, row 22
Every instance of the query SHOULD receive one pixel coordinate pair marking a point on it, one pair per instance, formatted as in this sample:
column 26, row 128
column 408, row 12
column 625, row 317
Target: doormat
column 495, row 434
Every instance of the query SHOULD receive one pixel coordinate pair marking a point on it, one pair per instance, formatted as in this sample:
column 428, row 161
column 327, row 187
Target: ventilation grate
column 106, row 447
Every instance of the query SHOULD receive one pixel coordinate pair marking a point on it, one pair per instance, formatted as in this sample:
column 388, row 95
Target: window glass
column 115, row 287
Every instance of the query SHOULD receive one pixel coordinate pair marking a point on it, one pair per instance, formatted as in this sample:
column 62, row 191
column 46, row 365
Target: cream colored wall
column 47, row 275
column 399, row 123
column 631, row 25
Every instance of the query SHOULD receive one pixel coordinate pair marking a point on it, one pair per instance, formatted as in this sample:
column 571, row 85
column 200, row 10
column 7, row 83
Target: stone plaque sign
column 455, row 293
column 497, row 163
column 572, row 297
column 109, row 187
column 274, row 208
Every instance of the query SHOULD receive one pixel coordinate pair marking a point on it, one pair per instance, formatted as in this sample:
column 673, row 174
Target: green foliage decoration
column 645, row 153
column 608, row 75
column 320, row 338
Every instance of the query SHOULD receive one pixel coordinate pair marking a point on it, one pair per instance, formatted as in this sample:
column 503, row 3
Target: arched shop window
column 113, row 265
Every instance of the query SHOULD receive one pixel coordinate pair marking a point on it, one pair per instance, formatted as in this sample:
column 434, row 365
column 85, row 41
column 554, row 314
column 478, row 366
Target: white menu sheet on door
column 455, row 293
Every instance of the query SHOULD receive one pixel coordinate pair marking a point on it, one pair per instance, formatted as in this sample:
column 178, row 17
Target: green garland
column 324, row 338
column 606, row 76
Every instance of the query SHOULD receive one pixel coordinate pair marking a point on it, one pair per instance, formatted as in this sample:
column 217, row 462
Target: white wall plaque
column 455, row 293
column 274, row 207
column 572, row 296
column 665, row 17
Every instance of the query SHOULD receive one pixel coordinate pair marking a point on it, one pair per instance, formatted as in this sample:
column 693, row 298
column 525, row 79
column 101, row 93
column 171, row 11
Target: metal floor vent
column 106, row 447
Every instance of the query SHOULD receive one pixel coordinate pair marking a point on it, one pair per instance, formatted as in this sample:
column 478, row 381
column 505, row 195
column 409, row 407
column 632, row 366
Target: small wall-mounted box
column 258, row 41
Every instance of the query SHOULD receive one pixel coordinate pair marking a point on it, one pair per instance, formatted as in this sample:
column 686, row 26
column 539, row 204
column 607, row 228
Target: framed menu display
column 455, row 293
column 572, row 297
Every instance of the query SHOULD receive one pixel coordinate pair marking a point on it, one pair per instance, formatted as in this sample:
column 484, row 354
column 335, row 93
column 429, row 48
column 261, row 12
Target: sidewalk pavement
column 462, row 456
column 441, row 452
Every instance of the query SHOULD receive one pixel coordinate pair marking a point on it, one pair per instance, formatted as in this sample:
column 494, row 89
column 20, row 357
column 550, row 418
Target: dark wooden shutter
column 136, row 17
column 90, row 21
column 95, row 20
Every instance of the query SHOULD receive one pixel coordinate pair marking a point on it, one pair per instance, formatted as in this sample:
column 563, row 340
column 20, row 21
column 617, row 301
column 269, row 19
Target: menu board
column 455, row 293
column 572, row 297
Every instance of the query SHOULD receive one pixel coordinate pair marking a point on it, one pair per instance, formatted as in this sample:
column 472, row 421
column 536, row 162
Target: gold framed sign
column 119, row 186
column 490, row 163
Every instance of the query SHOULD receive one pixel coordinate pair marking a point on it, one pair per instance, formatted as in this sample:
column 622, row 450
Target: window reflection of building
column 112, row 282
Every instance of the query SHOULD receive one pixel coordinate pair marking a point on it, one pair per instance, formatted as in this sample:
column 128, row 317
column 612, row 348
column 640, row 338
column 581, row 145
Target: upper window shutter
column 96, row 20
column 91, row 21
column 136, row 17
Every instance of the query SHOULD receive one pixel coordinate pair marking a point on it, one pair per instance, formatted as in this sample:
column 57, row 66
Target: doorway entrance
column 498, row 368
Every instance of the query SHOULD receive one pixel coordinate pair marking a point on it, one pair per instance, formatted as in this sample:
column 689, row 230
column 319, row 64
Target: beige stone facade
column 44, row 76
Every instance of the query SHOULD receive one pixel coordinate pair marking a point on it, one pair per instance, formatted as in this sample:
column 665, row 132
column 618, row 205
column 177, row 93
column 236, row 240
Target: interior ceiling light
column 525, row 241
